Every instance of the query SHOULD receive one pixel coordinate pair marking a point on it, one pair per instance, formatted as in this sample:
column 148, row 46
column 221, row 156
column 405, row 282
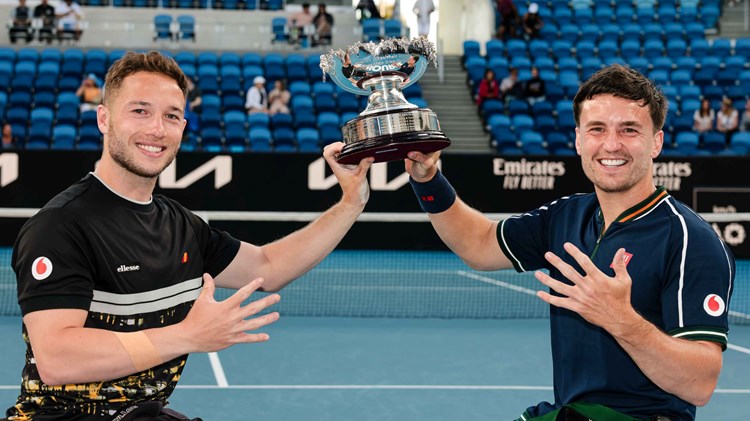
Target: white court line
column 739, row 349
column 740, row 315
column 496, row 282
column 221, row 378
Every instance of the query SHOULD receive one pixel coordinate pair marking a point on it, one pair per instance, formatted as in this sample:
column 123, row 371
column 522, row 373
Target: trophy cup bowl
column 390, row 126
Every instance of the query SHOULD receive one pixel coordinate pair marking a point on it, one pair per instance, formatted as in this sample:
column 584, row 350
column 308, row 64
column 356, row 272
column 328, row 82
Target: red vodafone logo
column 41, row 268
column 714, row 305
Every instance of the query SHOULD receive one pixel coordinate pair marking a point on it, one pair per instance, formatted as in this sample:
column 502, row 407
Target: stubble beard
column 118, row 152
column 613, row 186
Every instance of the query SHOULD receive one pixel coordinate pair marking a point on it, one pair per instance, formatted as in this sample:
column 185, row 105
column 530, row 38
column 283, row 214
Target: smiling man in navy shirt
column 638, row 283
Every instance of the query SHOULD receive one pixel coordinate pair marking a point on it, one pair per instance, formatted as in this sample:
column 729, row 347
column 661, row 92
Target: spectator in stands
column 46, row 14
column 745, row 120
column 256, row 100
column 298, row 22
column 703, row 118
column 511, row 87
column 194, row 101
column 423, row 9
column 9, row 140
column 278, row 99
column 89, row 93
column 69, row 15
column 727, row 119
column 489, row 88
column 117, row 284
column 510, row 20
column 20, row 24
column 532, row 22
column 323, row 26
column 366, row 9
column 534, row 87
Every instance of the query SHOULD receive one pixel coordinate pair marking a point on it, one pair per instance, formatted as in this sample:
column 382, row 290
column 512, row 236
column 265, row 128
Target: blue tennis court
column 395, row 336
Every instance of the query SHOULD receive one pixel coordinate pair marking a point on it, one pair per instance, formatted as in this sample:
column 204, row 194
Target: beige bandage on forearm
column 142, row 351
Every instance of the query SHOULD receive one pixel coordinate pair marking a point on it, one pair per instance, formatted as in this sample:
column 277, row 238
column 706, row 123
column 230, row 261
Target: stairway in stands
column 455, row 109
column 732, row 22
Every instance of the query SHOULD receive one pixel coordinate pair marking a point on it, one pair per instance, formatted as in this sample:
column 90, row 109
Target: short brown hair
column 624, row 82
column 133, row 62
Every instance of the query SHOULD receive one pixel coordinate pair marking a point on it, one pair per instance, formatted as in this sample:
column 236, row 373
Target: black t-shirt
column 22, row 13
column 131, row 265
column 534, row 87
column 46, row 12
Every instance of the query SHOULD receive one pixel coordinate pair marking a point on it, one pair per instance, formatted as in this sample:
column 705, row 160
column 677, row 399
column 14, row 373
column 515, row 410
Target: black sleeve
column 50, row 259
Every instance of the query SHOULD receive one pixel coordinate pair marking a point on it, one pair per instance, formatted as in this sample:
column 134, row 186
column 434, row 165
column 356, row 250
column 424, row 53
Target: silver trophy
column 390, row 126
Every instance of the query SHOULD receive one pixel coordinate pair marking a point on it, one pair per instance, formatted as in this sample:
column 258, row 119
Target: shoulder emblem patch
column 41, row 268
column 714, row 305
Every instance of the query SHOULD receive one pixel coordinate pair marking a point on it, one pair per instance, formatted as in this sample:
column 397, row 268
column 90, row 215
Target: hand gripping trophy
column 390, row 126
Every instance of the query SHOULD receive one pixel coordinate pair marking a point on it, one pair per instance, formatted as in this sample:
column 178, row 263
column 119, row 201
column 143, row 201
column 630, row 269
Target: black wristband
column 436, row 195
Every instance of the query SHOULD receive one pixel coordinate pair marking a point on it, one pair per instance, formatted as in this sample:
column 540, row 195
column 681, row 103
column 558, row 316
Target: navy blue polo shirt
column 682, row 277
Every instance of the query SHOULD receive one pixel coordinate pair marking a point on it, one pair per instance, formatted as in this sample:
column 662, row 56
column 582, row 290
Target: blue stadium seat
column 308, row 139
column 631, row 32
column 686, row 63
column 494, row 48
column 491, row 108
column 562, row 48
column 39, row 131
column 392, row 28
column 72, row 63
column 274, row 67
column 64, row 137
column 714, row 141
column 522, row 122
column 709, row 15
column 674, row 30
column 186, row 27
column 89, row 137
column 330, row 135
column 260, row 139
column 42, row 116
column 296, row 67
column 687, row 142
column 562, row 15
column 653, row 48
column 569, row 32
column 539, row 48
column 682, row 78
column 324, row 103
column 236, row 137
column 210, row 118
column 259, row 120
column 282, row 121
column 736, row 63
column 67, row 114
column 162, row 27
column 284, row 136
column 212, row 137
column 740, row 143
column 280, row 29
column 630, row 49
column 549, row 31
column 500, row 66
column 721, row 47
column 585, row 49
column 371, row 31
column 475, row 67
column 252, row 59
column 698, row 48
